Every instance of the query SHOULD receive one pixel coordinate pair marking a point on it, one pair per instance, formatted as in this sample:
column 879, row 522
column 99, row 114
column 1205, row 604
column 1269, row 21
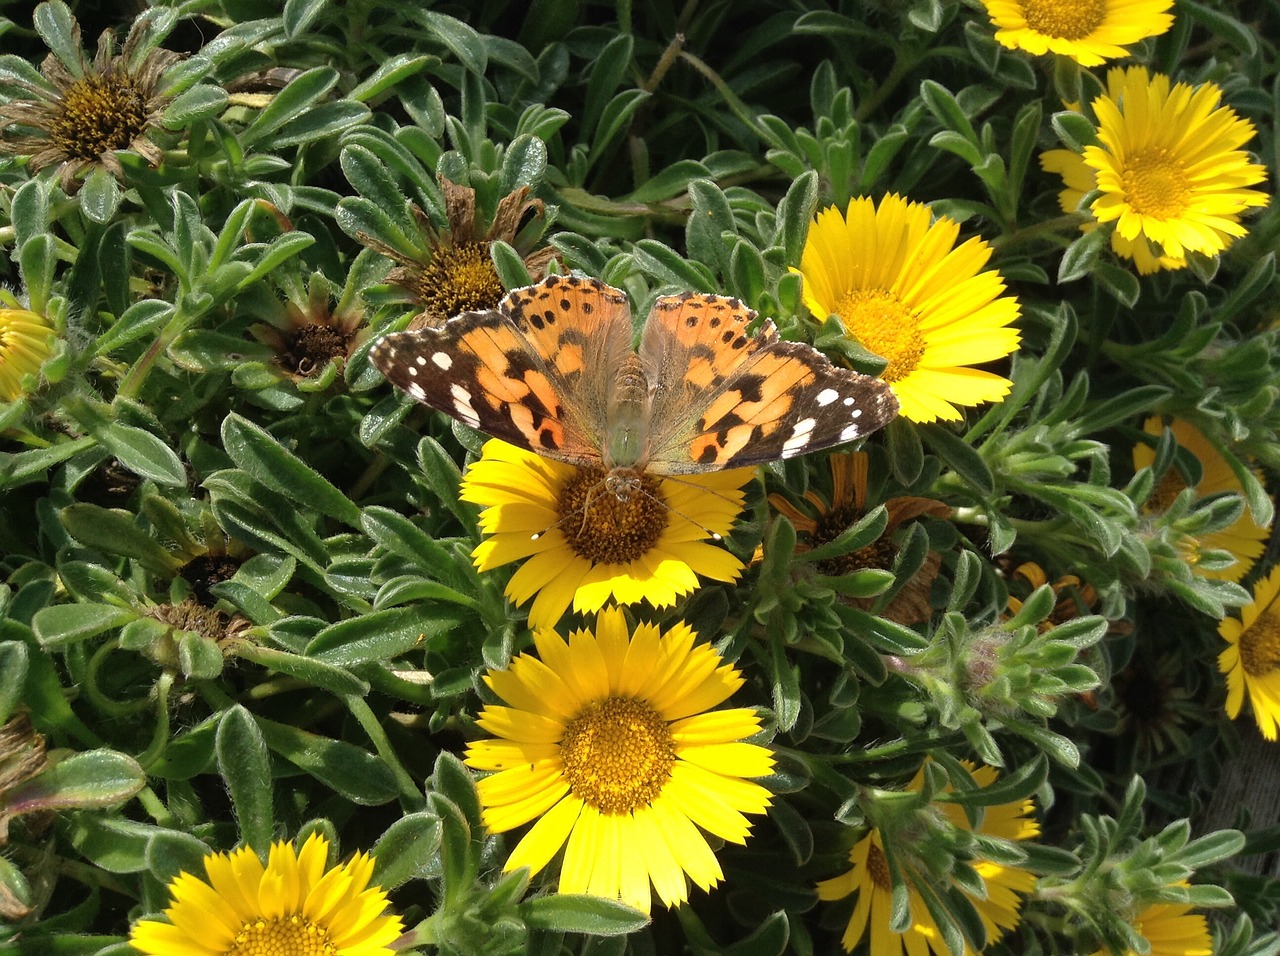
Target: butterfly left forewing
column 724, row 397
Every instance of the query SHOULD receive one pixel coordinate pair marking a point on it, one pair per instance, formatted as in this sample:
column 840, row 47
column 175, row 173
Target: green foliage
column 237, row 594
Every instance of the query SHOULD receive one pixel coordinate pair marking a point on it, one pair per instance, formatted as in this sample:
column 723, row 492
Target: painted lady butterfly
column 553, row 371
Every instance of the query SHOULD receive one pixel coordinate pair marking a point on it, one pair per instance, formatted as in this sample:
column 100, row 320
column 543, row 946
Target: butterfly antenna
column 713, row 535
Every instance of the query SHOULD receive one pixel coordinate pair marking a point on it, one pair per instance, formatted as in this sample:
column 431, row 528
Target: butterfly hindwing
column 724, row 397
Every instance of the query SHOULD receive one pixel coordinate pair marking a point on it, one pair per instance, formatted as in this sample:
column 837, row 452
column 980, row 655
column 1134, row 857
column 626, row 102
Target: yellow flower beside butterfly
column 1089, row 32
column 583, row 546
column 1168, row 169
column 608, row 741
column 1251, row 659
column 296, row 905
column 904, row 290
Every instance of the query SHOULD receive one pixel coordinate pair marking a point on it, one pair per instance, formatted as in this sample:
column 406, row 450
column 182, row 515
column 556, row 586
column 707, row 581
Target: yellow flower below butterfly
column 1168, row 168
column 1089, row 31
column 870, row 882
column 1171, row 929
column 907, row 293
column 1251, row 659
column 607, row 740
column 1244, row 538
column 583, row 546
column 297, row 905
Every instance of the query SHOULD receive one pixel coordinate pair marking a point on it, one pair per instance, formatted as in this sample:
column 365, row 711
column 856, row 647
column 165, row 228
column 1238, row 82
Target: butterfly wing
column 535, row 372
column 723, row 397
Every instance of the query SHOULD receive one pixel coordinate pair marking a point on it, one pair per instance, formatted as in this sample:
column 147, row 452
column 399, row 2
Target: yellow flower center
column 458, row 279
column 99, row 114
column 1260, row 645
column 1155, row 184
column 1171, row 485
column 618, row 755
column 1065, row 19
column 290, row 936
column 609, row 528
column 878, row 869
column 882, row 324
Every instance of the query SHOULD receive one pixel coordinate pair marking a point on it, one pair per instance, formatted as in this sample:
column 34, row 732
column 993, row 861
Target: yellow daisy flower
column 1172, row 930
column 906, row 293
column 1251, row 659
column 870, row 880
column 1169, row 168
column 606, row 740
column 585, row 546
column 1244, row 538
column 26, row 340
column 294, row 906
column 1090, row 32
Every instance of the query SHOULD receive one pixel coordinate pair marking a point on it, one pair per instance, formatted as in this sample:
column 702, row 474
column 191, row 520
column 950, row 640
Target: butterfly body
column 553, row 370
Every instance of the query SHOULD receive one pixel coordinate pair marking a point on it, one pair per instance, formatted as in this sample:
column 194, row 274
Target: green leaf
column 963, row 458
column 617, row 114
column 569, row 913
column 63, row 624
column 352, row 773
column 943, row 105
column 409, row 846
column 1222, row 25
column 245, row 767
column 1080, row 256
column 254, row 450
column 382, row 635
column 607, row 73
column 795, row 213
column 142, row 453
column 299, row 15
column 320, row 122
column 116, row 533
column 94, row 778
column 524, row 163
column 199, row 102
column 669, row 267
column 171, row 852
column 287, row 105
column 57, row 27
column 459, row 865
column 336, row 680
column 509, row 264
column 389, row 74
column 461, row 39
column 13, row 675
column 100, row 195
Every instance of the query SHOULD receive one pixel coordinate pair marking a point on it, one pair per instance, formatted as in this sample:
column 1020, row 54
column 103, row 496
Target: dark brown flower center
column 607, row 527
column 618, row 754
column 878, row 869
column 1260, row 645
column 203, row 572
column 830, row 525
column 311, row 347
column 458, row 279
column 1170, row 485
column 99, row 114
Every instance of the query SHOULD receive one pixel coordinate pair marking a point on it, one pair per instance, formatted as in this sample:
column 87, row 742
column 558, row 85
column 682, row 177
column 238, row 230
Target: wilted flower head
column 78, row 111
column 458, row 275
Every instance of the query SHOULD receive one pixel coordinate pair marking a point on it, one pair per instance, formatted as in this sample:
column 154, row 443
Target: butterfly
column 552, row 370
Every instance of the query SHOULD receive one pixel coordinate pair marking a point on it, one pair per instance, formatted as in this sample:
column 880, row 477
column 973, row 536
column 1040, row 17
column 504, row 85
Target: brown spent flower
column 823, row 521
column 89, row 109
column 312, row 331
column 460, row 276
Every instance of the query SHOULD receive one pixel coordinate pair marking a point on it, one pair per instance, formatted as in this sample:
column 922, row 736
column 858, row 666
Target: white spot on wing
column 849, row 401
column 462, row 405
column 826, row 397
column 799, row 436
column 850, row 433
column 420, row 360
column 442, row 361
